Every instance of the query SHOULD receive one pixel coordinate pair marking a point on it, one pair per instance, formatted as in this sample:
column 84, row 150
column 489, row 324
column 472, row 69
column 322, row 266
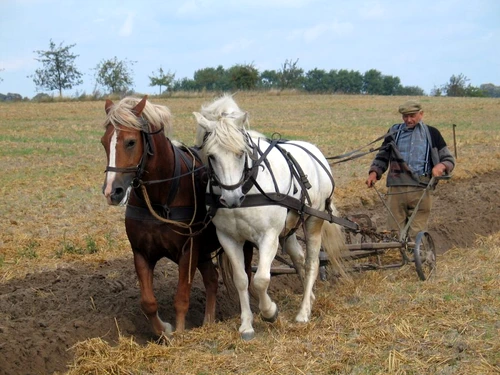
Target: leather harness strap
column 277, row 199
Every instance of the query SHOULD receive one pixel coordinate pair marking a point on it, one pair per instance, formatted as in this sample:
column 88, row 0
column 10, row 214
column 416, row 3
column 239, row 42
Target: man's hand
column 372, row 178
column 439, row 170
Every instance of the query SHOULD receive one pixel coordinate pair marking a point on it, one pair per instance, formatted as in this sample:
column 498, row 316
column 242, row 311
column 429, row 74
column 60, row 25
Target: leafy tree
column 317, row 80
column 211, row 79
column 373, row 82
column 243, row 77
column 290, row 76
column 410, row 91
column 437, row 91
column 269, row 79
column 59, row 71
column 474, row 92
column 490, row 90
column 456, row 86
column 115, row 75
column 162, row 79
column 347, row 82
column 390, row 85
column 184, row 84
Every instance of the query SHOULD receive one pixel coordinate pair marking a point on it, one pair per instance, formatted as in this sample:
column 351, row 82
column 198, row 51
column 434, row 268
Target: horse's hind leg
column 187, row 269
column 292, row 247
column 211, row 282
column 149, row 303
column 248, row 255
column 294, row 250
column 313, row 244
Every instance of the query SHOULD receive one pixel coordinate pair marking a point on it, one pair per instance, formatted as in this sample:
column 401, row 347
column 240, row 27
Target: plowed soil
column 43, row 315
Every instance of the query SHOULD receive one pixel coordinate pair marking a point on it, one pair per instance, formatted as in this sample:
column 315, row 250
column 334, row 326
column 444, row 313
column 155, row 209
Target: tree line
column 59, row 72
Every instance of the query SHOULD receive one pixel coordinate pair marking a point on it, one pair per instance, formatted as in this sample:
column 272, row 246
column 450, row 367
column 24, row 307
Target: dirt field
column 43, row 315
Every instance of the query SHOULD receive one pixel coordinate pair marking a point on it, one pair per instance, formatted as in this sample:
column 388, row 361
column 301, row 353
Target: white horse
column 253, row 175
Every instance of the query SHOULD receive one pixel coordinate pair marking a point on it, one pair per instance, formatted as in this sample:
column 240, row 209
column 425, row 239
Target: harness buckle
column 136, row 183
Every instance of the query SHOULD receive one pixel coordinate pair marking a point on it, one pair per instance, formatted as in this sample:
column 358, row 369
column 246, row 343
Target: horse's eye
column 130, row 143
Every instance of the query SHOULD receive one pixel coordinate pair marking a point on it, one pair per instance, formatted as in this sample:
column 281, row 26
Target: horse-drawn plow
column 369, row 249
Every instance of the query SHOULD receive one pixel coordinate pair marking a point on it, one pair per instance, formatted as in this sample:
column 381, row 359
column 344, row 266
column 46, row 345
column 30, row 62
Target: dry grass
column 52, row 209
column 382, row 323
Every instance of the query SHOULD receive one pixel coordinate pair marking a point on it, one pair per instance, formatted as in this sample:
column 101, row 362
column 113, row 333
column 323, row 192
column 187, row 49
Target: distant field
column 52, row 161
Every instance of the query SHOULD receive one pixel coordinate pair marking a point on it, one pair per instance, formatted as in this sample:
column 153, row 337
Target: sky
column 422, row 42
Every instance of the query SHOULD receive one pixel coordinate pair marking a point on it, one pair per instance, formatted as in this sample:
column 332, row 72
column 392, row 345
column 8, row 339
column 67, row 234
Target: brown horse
column 162, row 185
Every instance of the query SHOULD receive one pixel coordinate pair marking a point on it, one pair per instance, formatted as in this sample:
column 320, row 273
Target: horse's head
column 128, row 142
column 225, row 148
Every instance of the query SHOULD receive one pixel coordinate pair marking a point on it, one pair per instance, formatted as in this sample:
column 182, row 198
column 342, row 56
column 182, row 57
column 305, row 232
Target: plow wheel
column 425, row 255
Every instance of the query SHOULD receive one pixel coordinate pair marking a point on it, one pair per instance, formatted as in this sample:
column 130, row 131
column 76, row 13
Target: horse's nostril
column 223, row 202
column 118, row 191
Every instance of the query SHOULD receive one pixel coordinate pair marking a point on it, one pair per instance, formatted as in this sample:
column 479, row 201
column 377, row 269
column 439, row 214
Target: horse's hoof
column 168, row 329
column 301, row 318
column 166, row 335
column 271, row 319
column 247, row 336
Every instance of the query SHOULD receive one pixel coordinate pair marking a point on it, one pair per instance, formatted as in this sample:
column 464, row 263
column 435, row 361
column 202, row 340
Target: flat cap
column 411, row 106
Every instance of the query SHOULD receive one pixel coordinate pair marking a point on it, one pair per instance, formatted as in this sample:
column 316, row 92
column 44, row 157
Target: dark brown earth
column 43, row 315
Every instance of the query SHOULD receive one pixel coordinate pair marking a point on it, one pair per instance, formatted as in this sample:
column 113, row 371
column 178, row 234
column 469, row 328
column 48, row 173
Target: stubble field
column 69, row 300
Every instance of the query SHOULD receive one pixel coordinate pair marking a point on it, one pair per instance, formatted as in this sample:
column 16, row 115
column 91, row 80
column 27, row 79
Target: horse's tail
column 333, row 243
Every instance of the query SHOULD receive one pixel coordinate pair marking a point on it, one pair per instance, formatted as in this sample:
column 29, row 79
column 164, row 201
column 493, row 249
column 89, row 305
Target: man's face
column 413, row 119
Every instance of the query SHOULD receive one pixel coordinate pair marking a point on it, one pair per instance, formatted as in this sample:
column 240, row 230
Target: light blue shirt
column 413, row 145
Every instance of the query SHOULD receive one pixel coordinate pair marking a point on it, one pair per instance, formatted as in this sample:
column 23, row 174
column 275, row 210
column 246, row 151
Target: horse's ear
column 242, row 120
column 137, row 110
column 203, row 121
column 108, row 105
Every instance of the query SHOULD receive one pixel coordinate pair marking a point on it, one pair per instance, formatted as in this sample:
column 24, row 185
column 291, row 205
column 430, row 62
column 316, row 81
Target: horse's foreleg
column 234, row 251
column 262, row 278
column 211, row 282
column 313, row 244
column 149, row 303
column 187, row 269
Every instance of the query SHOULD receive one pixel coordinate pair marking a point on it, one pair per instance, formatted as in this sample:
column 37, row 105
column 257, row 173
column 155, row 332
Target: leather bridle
column 148, row 149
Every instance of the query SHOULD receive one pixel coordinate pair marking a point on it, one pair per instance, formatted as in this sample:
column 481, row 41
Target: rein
column 356, row 153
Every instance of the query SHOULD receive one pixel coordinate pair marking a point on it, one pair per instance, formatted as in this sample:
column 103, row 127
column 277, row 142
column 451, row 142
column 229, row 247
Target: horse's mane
column 156, row 115
column 231, row 126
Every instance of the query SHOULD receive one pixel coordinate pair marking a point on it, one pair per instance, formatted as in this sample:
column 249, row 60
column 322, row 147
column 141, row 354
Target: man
column 413, row 152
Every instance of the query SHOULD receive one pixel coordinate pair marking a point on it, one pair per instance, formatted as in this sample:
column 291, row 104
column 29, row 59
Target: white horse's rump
column 230, row 151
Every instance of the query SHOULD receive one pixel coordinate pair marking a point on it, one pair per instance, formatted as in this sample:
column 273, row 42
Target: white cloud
column 238, row 45
column 334, row 29
column 128, row 25
column 17, row 64
column 190, row 7
column 372, row 10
